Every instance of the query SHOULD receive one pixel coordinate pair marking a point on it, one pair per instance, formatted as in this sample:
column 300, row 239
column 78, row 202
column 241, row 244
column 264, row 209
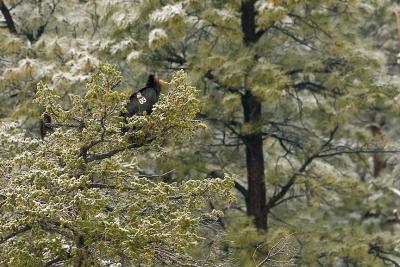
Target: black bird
column 144, row 100
column 44, row 125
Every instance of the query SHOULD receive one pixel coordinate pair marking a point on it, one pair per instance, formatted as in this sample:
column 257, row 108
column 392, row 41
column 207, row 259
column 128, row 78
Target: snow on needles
column 167, row 13
column 157, row 37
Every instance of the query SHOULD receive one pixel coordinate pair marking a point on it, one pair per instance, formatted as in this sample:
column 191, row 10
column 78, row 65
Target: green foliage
column 324, row 71
column 76, row 197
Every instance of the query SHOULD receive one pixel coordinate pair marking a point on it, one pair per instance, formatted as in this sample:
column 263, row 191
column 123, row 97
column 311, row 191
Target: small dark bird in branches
column 44, row 125
column 144, row 100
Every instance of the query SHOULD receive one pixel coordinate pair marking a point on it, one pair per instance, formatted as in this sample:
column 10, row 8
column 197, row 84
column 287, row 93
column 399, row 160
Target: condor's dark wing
column 142, row 101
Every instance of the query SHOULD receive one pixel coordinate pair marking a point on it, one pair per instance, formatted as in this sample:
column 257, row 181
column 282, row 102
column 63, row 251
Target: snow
column 156, row 35
column 119, row 17
column 225, row 14
column 287, row 20
column 167, row 12
column 122, row 45
column 264, row 5
column 134, row 55
column 26, row 62
column 69, row 76
column 395, row 190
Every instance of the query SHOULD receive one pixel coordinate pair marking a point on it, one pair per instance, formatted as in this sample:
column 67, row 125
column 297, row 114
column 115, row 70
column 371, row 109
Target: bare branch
column 35, row 36
column 282, row 253
column 211, row 77
column 286, row 199
column 113, row 152
column 242, row 190
column 7, row 16
column 313, row 87
column 293, row 36
column 274, row 199
column 380, row 253
column 157, row 175
column 16, row 233
column 15, row 5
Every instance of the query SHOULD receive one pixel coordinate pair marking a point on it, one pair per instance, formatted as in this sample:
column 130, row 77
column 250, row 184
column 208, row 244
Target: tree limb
column 294, row 37
column 156, row 175
column 7, row 16
column 241, row 189
column 313, row 87
column 274, row 199
column 113, row 152
column 211, row 77
column 14, row 234
column 378, row 252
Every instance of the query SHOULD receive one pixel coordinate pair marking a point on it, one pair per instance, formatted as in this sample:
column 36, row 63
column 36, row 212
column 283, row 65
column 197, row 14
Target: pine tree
column 300, row 98
column 288, row 87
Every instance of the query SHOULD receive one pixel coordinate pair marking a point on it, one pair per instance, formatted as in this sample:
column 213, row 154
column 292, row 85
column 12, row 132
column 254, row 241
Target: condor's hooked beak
column 160, row 81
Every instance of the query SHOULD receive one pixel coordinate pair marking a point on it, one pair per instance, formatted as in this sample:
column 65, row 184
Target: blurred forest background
column 296, row 105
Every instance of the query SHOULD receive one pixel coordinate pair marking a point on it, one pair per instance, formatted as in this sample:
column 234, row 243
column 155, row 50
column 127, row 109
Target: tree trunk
column 248, row 20
column 81, row 260
column 377, row 158
column 256, row 201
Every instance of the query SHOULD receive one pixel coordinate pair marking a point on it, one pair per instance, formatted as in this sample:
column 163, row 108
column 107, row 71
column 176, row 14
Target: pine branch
column 276, row 198
column 378, row 252
column 313, row 87
column 127, row 188
column 210, row 76
column 294, row 37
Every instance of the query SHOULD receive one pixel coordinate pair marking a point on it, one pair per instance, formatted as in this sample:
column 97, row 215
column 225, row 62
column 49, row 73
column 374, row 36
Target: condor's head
column 153, row 81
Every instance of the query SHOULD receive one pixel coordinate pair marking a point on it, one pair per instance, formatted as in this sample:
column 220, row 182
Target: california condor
column 144, row 100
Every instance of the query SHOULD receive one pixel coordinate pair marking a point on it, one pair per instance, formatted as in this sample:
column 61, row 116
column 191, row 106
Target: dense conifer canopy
column 297, row 102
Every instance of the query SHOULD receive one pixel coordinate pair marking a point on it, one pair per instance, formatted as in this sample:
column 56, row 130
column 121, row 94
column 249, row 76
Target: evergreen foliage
column 300, row 100
column 76, row 197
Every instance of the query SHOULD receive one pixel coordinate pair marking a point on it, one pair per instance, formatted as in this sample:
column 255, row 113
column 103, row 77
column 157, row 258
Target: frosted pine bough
column 157, row 38
column 168, row 13
column 76, row 199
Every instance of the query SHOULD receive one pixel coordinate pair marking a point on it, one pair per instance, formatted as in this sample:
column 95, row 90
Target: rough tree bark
column 256, row 201
column 377, row 158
